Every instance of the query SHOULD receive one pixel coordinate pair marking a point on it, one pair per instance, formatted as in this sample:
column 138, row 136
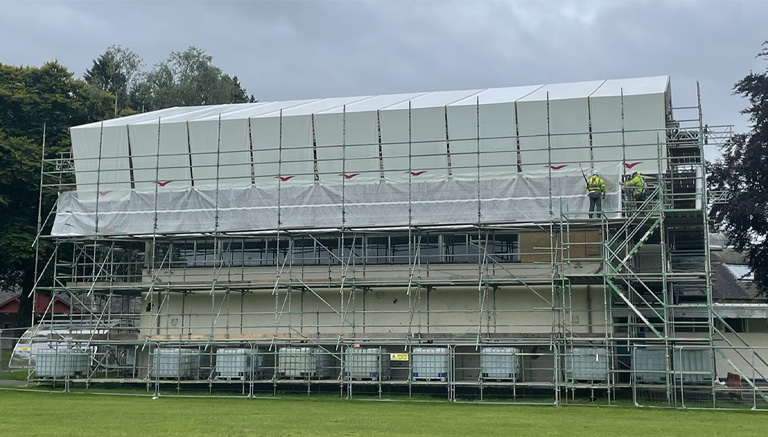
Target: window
column 199, row 253
column 195, row 253
column 504, row 248
column 458, row 249
column 276, row 251
column 376, row 250
column 757, row 325
column 254, row 252
column 353, row 252
column 432, row 248
column 327, row 251
column 429, row 248
column 683, row 324
column 400, row 249
column 741, row 325
column 303, row 251
column 741, row 272
column 738, row 325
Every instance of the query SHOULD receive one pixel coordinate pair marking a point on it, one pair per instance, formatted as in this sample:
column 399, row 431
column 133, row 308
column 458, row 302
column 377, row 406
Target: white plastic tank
column 369, row 363
column 175, row 363
column 61, row 363
column 693, row 365
column 499, row 362
column 587, row 364
column 237, row 363
column 303, row 362
column 430, row 363
column 650, row 365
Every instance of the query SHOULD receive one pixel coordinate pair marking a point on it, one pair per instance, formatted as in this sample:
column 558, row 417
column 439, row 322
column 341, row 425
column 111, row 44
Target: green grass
column 5, row 374
column 29, row 413
column 14, row 375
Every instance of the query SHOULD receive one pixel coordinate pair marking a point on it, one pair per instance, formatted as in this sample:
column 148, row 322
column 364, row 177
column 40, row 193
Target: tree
column 742, row 179
column 187, row 78
column 116, row 71
column 29, row 99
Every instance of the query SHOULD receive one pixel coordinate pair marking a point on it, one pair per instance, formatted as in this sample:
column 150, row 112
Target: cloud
column 287, row 49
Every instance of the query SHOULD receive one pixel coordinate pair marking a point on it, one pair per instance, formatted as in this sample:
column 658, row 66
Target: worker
column 636, row 187
column 596, row 193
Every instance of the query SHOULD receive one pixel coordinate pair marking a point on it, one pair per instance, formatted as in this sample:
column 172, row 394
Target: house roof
column 60, row 306
column 726, row 285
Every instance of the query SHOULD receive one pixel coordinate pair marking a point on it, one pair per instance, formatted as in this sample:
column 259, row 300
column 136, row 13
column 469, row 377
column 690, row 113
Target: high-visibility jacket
column 595, row 183
column 638, row 182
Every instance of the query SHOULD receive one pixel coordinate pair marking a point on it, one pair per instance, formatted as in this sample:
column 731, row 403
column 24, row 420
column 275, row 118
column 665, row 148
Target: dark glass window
column 376, row 250
column 400, row 249
column 429, row 248
column 243, row 252
column 276, row 251
column 159, row 258
column 327, row 251
column 504, row 247
column 254, row 252
column 197, row 253
column 461, row 248
column 303, row 251
column 232, row 253
column 353, row 250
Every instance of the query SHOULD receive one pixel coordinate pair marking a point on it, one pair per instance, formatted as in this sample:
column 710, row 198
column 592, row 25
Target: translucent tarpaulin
column 453, row 200
column 437, row 157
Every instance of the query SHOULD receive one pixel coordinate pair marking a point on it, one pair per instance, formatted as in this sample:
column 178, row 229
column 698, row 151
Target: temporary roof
column 363, row 154
column 439, row 133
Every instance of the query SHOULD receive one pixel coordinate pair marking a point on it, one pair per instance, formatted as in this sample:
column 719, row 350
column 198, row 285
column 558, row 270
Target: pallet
column 299, row 377
column 230, row 378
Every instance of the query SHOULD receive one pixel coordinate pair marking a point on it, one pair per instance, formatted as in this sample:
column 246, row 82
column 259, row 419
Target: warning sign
column 398, row 357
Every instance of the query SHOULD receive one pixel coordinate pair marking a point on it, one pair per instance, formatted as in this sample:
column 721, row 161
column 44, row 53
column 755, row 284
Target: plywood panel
column 535, row 247
column 581, row 245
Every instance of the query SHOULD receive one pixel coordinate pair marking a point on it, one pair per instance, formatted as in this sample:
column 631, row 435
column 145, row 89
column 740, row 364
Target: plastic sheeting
column 454, row 157
column 435, row 134
column 537, row 196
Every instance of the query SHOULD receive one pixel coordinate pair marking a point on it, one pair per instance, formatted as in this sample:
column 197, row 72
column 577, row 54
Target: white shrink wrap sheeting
column 530, row 197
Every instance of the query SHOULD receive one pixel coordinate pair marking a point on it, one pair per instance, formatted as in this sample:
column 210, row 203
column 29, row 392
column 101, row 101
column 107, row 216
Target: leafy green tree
column 31, row 98
column 742, row 179
column 187, row 78
column 116, row 71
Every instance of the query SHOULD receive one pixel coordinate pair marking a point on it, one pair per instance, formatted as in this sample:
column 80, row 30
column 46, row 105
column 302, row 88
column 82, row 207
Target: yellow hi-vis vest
column 638, row 182
column 595, row 183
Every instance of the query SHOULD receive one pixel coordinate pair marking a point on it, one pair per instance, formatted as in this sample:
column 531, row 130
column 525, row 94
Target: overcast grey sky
column 291, row 49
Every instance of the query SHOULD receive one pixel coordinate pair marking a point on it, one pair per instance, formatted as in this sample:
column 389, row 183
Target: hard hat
column 594, row 171
column 634, row 173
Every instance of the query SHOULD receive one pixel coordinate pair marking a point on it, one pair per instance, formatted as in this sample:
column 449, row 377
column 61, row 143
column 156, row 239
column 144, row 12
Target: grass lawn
column 28, row 413
column 17, row 375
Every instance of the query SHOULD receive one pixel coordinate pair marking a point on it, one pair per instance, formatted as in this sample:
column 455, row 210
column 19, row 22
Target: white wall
column 378, row 312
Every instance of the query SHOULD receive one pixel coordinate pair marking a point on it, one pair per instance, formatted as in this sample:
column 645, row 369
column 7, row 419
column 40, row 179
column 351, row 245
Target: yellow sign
column 398, row 357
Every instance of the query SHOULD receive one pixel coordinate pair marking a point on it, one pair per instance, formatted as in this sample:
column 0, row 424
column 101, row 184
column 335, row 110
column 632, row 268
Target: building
column 44, row 307
column 414, row 243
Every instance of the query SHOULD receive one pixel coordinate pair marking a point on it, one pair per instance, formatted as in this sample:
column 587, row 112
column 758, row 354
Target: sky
column 293, row 49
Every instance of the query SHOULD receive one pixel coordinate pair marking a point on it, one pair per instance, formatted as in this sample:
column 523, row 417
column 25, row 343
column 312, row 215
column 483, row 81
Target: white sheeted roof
column 435, row 99
column 429, row 135
column 497, row 154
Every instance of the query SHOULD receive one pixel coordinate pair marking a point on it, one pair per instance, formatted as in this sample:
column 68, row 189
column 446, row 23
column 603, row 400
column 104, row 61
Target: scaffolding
column 549, row 306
